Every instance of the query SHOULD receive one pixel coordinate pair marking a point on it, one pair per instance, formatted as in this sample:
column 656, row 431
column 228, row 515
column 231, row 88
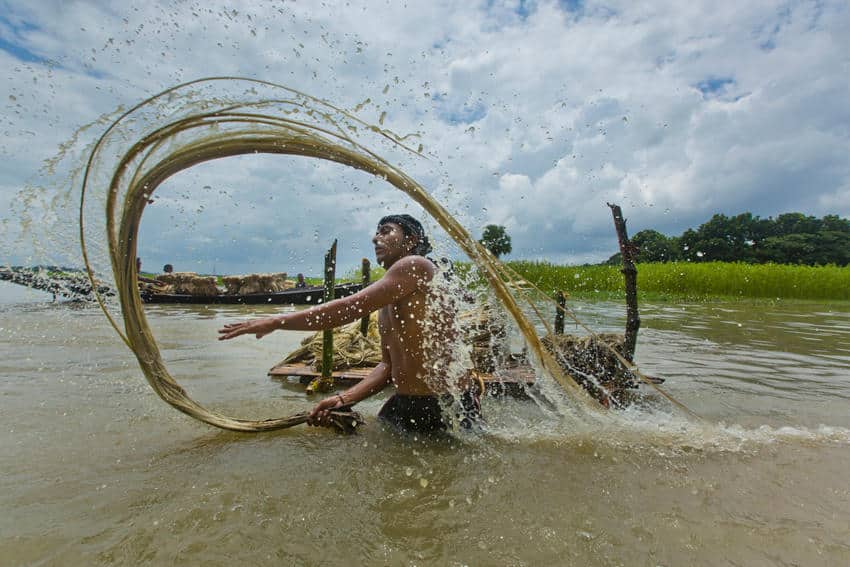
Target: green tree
column 496, row 240
column 615, row 260
column 790, row 248
column 725, row 239
column 655, row 247
column 790, row 238
column 834, row 223
column 834, row 247
column 796, row 223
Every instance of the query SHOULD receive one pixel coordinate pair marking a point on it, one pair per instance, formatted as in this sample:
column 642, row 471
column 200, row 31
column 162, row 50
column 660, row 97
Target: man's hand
column 257, row 327
column 321, row 414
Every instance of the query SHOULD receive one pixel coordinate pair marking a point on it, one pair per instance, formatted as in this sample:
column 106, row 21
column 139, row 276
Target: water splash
column 655, row 429
column 220, row 117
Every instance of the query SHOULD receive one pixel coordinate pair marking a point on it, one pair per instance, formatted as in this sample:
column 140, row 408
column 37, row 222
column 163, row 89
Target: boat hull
column 302, row 296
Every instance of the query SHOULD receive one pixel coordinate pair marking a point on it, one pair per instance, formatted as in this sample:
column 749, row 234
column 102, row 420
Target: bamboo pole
column 325, row 382
column 328, row 335
column 366, row 270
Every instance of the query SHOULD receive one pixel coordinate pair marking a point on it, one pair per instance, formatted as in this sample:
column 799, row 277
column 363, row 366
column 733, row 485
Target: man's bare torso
column 409, row 329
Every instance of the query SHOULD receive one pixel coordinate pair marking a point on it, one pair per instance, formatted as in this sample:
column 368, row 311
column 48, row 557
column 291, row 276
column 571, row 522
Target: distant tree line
column 790, row 238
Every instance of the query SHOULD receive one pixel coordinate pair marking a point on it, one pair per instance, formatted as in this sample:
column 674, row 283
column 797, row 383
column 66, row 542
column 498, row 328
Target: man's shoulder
column 416, row 269
column 413, row 263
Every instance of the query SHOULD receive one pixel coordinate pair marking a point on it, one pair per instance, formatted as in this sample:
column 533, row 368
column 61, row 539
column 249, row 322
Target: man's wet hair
column 410, row 227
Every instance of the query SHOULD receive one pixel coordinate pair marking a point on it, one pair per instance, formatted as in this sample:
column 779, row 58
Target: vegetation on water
column 673, row 280
column 694, row 280
column 678, row 280
column 790, row 238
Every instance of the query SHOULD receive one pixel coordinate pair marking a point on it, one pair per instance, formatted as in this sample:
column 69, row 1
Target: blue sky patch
column 571, row 5
column 714, row 86
column 13, row 48
column 459, row 114
column 524, row 8
column 20, row 53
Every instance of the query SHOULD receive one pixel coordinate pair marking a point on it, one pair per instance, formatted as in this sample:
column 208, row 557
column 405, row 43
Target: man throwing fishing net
column 417, row 325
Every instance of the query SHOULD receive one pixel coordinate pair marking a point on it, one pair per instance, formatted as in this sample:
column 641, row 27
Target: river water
column 97, row 470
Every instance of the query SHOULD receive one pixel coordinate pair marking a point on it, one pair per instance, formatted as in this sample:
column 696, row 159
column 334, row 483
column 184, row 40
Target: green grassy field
column 676, row 280
column 696, row 281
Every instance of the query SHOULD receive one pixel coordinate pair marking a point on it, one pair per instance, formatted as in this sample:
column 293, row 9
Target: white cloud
column 533, row 118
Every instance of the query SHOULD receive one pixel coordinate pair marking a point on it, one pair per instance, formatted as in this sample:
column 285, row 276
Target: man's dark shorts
column 431, row 414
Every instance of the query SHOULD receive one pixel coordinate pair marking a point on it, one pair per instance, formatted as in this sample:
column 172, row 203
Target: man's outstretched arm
column 402, row 279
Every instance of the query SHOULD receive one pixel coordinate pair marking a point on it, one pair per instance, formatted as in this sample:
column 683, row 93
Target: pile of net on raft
column 190, row 283
column 594, row 366
column 351, row 348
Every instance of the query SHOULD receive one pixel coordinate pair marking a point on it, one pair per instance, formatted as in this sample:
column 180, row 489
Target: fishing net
column 218, row 117
column 351, row 348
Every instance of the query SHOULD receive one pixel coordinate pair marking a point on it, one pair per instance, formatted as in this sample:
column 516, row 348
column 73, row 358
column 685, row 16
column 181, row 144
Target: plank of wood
column 305, row 370
column 517, row 374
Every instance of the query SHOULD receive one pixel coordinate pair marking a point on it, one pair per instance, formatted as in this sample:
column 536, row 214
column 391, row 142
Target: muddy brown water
column 97, row 470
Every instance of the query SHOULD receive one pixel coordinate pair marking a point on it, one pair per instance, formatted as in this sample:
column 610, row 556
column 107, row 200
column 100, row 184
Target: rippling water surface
column 97, row 470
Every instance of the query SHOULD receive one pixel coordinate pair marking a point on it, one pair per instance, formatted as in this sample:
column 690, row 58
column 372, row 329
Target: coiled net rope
column 189, row 127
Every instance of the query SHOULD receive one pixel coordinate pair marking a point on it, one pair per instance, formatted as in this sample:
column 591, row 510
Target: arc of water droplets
column 238, row 128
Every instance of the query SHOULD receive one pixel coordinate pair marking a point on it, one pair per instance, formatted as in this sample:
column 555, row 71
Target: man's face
column 391, row 244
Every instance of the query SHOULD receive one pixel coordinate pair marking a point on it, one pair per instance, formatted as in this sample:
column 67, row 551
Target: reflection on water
column 98, row 470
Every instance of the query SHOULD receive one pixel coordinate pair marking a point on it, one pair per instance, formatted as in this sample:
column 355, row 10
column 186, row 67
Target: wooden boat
column 296, row 296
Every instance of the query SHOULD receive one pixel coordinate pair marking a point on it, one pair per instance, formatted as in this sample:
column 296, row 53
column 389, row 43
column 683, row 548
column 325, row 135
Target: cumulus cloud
column 531, row 114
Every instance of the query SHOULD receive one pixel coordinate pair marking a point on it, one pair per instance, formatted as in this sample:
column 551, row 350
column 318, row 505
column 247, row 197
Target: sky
column 532, row 115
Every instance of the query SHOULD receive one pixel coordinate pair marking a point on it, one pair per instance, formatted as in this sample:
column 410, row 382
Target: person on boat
column 299, row 282
column 418, row 334
column 142, row 279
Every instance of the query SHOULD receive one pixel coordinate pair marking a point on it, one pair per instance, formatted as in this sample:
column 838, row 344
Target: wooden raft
column 510, row 381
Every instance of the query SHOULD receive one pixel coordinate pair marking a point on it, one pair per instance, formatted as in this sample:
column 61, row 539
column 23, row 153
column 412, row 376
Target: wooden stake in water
column 628, row 252
column 325, row 382
column 559, row 313
column 366, row 270
column 328, row 336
